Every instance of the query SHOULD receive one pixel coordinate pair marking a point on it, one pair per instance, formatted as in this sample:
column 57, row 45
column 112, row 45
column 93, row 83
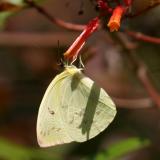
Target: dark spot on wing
column 58, row 129
column 52, row 128
column 44, row 134
column 41, row 132
column 71, row 120
column 80, row 113
column 98, row 112
column 51, row 111
column 48, row 132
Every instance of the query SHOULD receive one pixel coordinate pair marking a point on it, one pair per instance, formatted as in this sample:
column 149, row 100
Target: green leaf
column 10, row 151
column 3, row 18
column 122, row 148
column 18, row 2
column 10, row 7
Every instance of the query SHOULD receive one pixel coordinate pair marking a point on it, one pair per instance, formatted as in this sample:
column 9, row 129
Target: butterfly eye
column 114, row 22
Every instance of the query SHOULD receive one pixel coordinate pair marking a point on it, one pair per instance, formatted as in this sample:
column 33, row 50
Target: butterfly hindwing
column 90, row 109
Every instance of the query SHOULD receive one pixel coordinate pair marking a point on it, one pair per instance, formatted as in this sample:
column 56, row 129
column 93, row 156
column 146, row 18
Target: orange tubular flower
column 114, row 22
column 73, row 51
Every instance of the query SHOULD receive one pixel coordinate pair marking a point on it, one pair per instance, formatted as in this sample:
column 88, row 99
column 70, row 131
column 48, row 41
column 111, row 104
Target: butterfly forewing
column 50, row 123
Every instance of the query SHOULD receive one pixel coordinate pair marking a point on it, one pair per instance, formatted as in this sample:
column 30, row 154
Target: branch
column 139, row 103
column 143, row 37
column 146, row 81
column 57, row 21
column 141, row 72
column 36, row 39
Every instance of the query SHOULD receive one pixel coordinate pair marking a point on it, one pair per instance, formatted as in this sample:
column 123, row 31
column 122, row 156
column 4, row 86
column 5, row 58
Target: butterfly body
column 73, row 108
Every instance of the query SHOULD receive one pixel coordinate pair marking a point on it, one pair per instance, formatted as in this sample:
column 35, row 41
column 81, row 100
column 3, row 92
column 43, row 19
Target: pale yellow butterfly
column 73, row 108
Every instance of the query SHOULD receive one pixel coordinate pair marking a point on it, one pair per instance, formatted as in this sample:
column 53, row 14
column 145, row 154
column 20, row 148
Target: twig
column 143, row 37
column 36, row 39
column 146, row 81
column 129, row 44
column 139, row 103
column 57, row 21
column 141, row 72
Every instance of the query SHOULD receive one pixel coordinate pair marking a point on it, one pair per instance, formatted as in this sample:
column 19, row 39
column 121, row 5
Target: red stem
column 145, row 79
column 142, row 37
column 59, row 22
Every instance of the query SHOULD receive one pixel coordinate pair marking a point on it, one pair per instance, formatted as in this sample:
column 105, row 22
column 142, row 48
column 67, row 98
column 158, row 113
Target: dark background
column 29, row 56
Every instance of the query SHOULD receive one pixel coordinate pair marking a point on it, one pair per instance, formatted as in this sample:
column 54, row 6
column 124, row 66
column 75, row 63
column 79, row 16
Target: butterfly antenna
column 61, row 61
column 81, row 65
column 58, row 48
column 81, row 11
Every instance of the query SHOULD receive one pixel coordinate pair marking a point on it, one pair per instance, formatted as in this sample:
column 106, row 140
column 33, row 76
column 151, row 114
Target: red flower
column 114, row 22
column 73, row 51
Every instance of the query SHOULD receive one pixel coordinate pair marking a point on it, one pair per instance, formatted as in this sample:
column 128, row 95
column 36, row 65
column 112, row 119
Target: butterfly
column 73, row 108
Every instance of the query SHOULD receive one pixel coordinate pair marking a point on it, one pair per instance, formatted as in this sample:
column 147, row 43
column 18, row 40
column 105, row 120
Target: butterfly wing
column 90, row 110
column 73, row 109
column 50, row 124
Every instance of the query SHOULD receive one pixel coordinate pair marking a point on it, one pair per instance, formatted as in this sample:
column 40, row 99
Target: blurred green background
column 29, row 56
